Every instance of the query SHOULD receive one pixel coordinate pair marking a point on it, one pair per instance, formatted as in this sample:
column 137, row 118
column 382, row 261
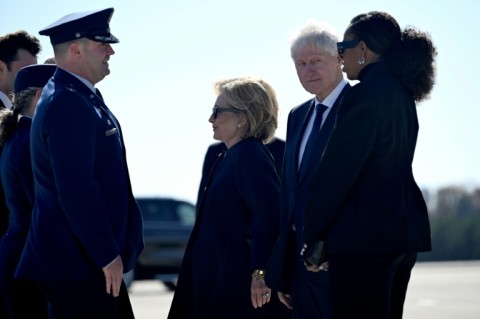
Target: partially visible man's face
column 95, row 59
column 317, row 70
column 24, row 58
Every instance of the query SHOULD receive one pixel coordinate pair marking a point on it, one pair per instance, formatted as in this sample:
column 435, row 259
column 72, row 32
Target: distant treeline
column 455, row 224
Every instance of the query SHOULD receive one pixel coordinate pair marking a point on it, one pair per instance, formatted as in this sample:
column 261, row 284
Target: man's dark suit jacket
column 363, row 198
column 3, row 205
column 294, row 186
column 85, row 214
column 3, row 225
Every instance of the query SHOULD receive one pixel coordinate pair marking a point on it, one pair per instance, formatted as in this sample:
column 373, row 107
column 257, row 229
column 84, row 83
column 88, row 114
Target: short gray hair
column 320, row 34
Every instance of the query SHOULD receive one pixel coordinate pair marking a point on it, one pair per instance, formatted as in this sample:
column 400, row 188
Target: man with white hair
column 319, row 69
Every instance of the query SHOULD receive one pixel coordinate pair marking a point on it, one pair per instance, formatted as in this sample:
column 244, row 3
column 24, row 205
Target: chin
column 351, row 77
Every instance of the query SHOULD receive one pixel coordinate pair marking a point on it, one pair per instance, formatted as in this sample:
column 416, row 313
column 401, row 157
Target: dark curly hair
column 410, row 53
column 11, row 42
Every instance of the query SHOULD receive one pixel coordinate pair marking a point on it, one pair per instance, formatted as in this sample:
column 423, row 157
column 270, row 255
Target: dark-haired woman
column 364, row 203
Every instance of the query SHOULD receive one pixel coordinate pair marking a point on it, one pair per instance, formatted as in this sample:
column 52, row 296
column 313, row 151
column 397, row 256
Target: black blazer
column 3, row 205
column 231, row 236
column 3, row 209
column 276, row 148
column 363, row 197
column 294, row 186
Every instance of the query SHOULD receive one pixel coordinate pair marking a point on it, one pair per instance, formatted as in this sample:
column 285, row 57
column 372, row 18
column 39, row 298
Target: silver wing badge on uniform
column 111, row 132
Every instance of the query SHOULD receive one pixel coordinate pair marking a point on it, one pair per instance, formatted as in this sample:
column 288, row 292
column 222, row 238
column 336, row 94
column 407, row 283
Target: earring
column 361, row 60
column 239, row 125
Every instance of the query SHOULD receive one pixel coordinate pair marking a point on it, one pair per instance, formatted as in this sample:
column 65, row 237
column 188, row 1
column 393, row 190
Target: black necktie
column 307, row 154
column 317, row 123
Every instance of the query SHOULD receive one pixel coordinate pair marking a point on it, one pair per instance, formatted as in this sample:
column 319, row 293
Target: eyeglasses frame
column 216, row 109
column 342, row 46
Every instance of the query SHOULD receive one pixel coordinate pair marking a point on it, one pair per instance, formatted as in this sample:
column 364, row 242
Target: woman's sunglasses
column 216, row 110
column 342, row 46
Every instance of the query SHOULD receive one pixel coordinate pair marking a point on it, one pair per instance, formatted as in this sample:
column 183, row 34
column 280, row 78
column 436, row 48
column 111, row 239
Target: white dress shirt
column 328, row 102
column 6, row 101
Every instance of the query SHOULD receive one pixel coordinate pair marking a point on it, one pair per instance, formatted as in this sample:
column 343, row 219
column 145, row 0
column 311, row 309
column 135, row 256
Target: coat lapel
column 75, row 85
column 321, row 139
column 295, row 140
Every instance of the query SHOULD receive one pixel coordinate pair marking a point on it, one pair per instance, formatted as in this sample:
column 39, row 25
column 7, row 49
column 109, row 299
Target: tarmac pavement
column 438, row 290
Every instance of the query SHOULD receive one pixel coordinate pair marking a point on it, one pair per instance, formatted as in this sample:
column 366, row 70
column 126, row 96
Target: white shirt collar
column 332, row 97
column 84, row 81
column 6, row 101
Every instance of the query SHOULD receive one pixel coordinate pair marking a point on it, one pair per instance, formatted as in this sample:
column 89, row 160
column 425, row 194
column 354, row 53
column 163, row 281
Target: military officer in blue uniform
column 86, row 226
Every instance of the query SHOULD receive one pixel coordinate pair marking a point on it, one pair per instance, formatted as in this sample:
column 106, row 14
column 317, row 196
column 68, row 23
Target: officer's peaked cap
column 93, row 25
column 35, row 75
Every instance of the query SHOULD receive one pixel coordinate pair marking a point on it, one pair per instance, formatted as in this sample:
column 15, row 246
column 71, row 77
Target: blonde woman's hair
column 257, row 100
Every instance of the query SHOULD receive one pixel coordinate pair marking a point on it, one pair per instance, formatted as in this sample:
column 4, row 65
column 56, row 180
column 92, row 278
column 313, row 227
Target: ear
column 243, row 119
column 74, row 48
column 38, row 93
column 33, row 104
column 369, row 55
column 363, row 46
column 3, row 68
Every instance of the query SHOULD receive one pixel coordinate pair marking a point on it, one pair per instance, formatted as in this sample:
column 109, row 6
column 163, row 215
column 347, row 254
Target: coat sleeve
column 259, row 188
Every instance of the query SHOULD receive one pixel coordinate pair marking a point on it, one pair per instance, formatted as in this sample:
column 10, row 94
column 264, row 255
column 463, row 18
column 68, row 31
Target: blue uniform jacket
column 17, row 178
column 85, row 213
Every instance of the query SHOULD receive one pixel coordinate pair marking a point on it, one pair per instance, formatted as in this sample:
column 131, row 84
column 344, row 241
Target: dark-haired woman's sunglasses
column 342, row 46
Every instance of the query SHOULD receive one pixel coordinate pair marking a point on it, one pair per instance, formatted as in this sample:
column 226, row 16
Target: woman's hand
column 113, row 276
column 286, row 299
column 260, row 293
column 315, row 268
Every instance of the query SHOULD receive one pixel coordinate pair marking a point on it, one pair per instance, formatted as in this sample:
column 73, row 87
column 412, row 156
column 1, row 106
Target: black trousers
column 81, row 300
column 3, row 308
column 23, row 298
column 369, row 286
column 311, row 293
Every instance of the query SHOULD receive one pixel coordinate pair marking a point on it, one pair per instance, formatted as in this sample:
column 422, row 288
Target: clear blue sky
column 171, row 53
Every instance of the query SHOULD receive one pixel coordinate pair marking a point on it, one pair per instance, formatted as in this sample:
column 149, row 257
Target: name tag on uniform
column 111, row 132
